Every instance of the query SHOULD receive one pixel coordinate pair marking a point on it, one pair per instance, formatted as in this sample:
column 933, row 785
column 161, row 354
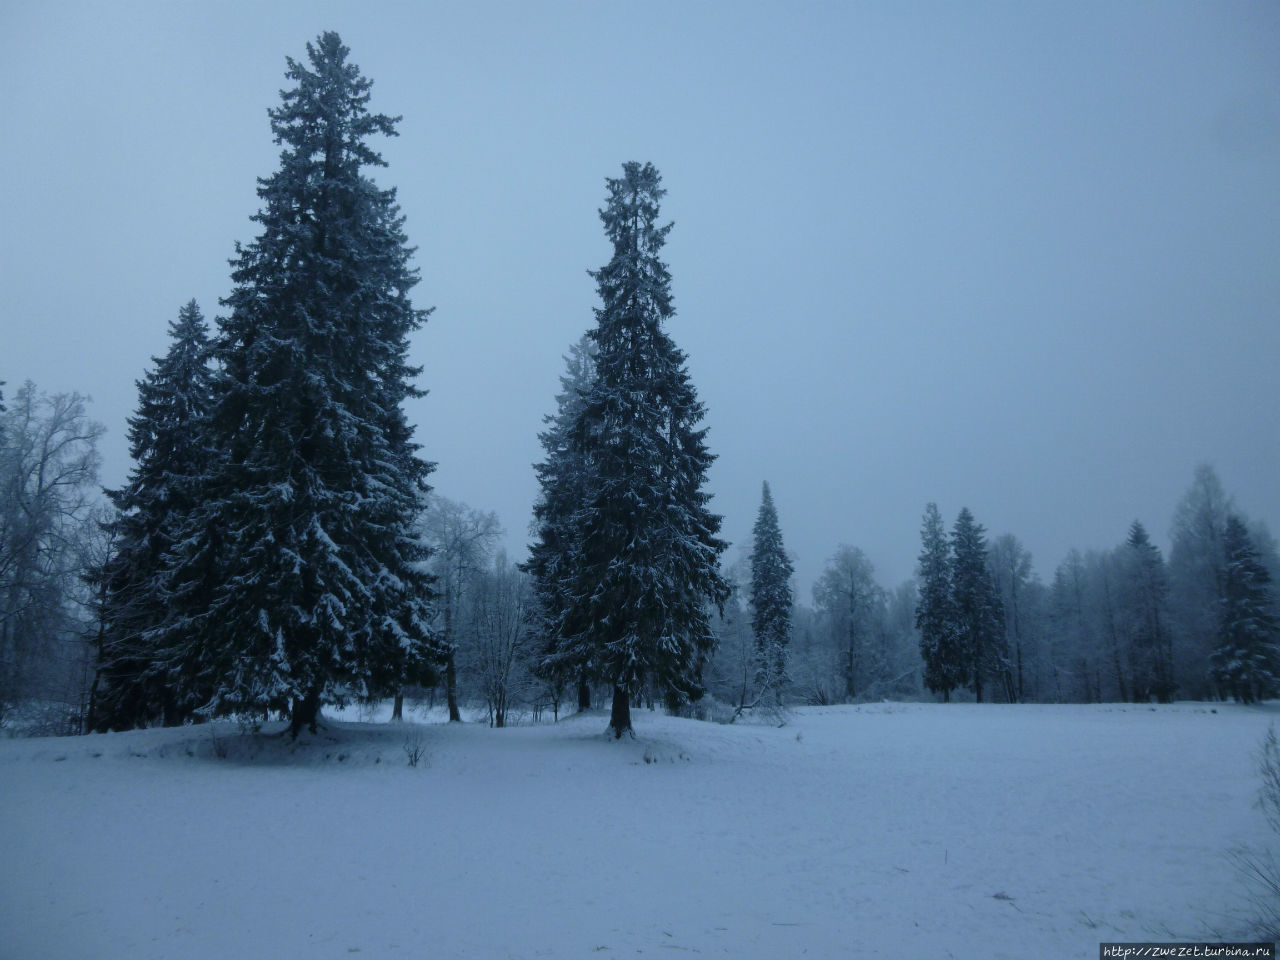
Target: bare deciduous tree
column 48, row 474
column 462, row 539
column 499, row 642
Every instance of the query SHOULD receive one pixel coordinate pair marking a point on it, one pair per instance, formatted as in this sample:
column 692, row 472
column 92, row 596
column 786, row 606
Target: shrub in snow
column 415, row 748
column 1260, row 868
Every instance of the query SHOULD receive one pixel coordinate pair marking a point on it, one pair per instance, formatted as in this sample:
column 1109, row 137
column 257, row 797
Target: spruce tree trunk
column 620, row 715
column 91, row 716
column 584, row 694
column 397, row 709
column 451, row 688
column 450, row 665
column 304, row 711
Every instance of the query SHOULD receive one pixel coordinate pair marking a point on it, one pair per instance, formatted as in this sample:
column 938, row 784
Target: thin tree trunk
column 450, row 666
column 451, row 688
column 849, row 690
column 620, row 715
column 91, row 718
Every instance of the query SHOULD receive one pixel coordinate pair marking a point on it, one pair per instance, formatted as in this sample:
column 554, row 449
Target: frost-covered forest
column 277, row 548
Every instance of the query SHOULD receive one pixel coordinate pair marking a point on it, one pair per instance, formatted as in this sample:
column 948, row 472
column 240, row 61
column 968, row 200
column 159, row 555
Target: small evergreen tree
column 771, row 600
column 561, row 478
column 302, row 581
column 642, row 553
column 1246, row 663
column 167, row 441
column 979, row 614
column 935, row 612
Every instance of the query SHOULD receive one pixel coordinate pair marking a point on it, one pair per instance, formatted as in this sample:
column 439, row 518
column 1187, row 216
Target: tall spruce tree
column 935, row 611
column 978, row 611
column 771, row 600
column 1246, row 663
column 302, row 582
column 643, row 560
column 561, row 479
column 168, row 443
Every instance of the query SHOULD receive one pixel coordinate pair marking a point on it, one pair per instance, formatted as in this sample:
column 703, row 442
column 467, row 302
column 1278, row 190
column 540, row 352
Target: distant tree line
column 277, row 549
column 1123, row 624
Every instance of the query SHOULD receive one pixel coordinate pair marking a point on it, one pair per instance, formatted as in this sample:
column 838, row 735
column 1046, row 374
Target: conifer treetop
column 326, row 114
column 770, row 565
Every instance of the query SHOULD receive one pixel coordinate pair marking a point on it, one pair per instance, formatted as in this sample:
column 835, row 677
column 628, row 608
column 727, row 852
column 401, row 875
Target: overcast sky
column 1020, row 257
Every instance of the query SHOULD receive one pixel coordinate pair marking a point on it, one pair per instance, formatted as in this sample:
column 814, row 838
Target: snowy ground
column 893, row 830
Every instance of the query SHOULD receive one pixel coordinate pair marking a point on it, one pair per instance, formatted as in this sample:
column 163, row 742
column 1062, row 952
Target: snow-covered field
column 893, row 830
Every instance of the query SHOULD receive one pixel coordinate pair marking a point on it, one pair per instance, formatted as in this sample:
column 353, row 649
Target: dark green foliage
column 944, row 667
column 561, row 489
column 1246, row 662
column 168, row 443
column 301, row 582
column 641, row 556
column 976, row 606
column 771, row 599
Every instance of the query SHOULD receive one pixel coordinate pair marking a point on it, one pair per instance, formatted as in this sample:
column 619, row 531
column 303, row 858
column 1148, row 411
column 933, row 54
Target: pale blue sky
column 1023, row 257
